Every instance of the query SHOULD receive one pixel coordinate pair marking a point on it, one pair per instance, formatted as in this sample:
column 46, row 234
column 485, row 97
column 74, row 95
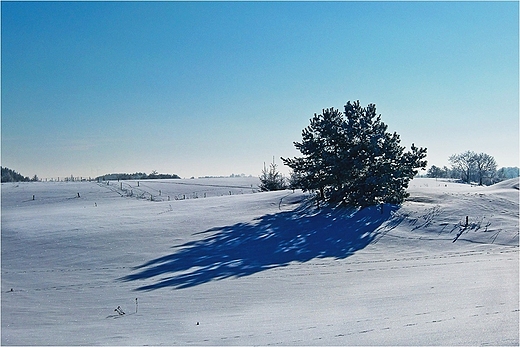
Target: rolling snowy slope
column 246, row 268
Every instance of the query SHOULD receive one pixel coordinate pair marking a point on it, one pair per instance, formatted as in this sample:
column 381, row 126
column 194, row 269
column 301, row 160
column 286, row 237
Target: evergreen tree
column 294, row 181
column 271, row 179
column 9, row 175
column 349, row 157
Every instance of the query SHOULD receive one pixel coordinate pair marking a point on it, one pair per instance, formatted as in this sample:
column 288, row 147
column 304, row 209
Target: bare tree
column 464, row 163
column 474, row 166
column 485, row 166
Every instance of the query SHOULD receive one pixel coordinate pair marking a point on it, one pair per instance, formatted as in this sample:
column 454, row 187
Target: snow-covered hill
column 245, row 268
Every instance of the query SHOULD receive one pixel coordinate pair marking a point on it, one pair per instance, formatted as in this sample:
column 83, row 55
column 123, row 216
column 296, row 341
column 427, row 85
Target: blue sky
column 214, row 88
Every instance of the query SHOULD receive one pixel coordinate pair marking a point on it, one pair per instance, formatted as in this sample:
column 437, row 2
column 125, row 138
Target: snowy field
column 214, row 262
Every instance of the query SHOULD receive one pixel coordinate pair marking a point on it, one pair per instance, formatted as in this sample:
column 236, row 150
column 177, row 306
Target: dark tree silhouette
column 349, row 157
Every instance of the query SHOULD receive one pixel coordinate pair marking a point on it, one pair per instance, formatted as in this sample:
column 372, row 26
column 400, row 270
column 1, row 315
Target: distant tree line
column 9, row 175
column 136, row 176
column 506, row 173
column 479, row 168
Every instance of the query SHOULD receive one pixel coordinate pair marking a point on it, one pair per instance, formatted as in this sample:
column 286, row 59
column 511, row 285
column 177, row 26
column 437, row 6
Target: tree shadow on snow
column 270, row 241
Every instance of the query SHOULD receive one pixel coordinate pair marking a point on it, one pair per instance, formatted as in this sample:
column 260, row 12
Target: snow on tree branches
column 350, row 158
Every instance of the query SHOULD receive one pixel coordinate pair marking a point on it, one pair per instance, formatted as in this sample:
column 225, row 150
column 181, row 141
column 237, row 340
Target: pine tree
column 271, row 179
column 350, row 158
column 9, row 175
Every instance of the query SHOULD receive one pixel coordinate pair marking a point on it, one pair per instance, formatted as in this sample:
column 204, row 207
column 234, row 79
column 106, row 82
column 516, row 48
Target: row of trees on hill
column 469, row 166
column 136, row 176
column 505, row 173
column 349, row 158
column 9, row 175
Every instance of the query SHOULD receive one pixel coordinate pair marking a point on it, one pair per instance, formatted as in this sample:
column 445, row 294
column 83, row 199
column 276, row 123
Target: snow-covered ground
column 240, row 267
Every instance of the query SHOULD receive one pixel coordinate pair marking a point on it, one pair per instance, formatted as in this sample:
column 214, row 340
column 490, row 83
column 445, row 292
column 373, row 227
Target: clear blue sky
column 214, row 88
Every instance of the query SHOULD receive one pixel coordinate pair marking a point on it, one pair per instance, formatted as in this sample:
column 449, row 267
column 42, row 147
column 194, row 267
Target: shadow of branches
column 270, row 241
